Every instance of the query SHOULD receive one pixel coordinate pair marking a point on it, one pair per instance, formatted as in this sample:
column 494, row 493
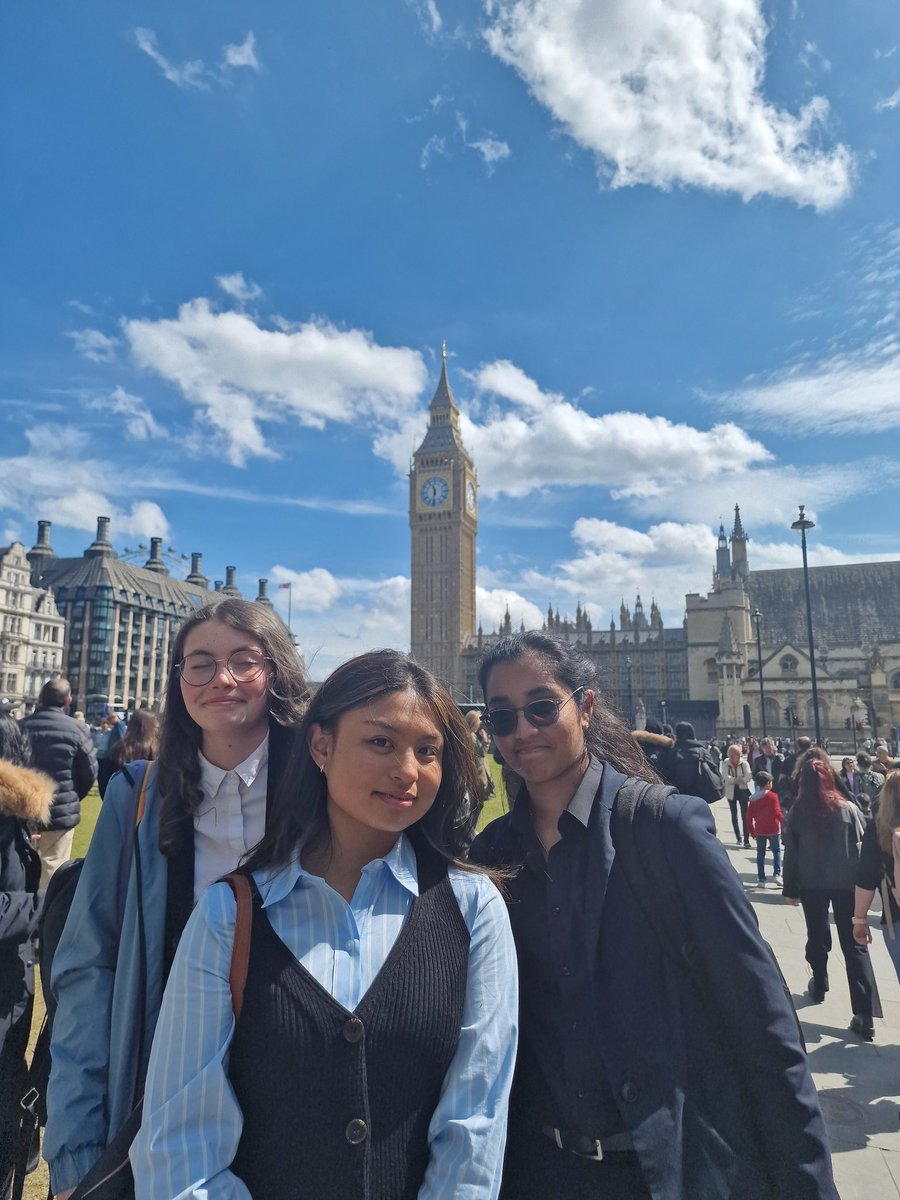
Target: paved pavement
column 859, row 1083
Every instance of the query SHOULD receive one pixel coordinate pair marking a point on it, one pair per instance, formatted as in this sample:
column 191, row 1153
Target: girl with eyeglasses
column 658, row 1053
column 374, row 1049
column 235, row 695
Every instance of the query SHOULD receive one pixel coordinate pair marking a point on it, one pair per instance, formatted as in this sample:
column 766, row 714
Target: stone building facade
column 705, row 670
column 121, row 619
column 32, row 631
column 856, row 629
column 443, row 522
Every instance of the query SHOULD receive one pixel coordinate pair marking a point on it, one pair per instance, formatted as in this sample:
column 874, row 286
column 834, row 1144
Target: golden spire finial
column 444, row 350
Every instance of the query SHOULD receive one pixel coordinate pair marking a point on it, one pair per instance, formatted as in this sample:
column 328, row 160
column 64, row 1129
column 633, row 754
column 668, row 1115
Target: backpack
column 647, row 866
column 57, row 902
column 696, row 773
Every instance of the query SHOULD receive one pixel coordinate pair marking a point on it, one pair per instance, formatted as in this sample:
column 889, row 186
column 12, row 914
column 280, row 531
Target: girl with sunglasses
column 235, row 694
column 374, row 1049
column 644, row 1068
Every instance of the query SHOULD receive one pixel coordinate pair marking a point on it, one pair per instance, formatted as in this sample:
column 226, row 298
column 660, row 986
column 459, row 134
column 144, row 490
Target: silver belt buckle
column 597, row 1156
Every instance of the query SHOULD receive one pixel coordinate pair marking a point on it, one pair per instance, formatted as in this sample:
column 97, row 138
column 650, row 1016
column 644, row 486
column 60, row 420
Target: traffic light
column 847, row 723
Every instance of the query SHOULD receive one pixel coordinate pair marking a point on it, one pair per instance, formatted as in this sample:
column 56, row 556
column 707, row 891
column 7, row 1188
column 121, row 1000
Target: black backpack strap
column 647, row 866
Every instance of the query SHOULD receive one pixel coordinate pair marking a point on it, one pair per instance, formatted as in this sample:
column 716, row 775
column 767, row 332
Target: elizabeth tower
column 443, row 521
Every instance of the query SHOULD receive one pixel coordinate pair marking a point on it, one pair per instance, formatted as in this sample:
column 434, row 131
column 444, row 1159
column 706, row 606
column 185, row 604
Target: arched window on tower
column 895, row 682
column 712, row 671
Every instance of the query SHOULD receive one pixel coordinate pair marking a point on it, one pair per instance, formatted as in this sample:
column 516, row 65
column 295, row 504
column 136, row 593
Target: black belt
column 586, row 1146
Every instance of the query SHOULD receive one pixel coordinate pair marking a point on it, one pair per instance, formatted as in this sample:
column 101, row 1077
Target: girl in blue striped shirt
column 376, row 1042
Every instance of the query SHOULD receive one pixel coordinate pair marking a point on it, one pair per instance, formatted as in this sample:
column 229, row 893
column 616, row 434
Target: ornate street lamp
column 802, row 524
column 664, row 707
column 757, row 617
column 629, row 705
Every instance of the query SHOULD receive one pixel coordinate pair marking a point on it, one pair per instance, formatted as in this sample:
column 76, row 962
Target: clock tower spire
column 443, row 521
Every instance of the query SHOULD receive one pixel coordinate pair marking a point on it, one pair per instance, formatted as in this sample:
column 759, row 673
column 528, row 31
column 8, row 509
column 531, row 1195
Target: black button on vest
column 353, row 1029
column 337, row 1105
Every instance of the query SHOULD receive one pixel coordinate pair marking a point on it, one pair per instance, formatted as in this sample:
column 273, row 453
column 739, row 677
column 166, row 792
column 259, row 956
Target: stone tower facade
column 443, row 522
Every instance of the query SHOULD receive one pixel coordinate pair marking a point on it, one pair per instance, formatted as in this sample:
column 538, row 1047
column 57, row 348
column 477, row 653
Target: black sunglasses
column 501, row 722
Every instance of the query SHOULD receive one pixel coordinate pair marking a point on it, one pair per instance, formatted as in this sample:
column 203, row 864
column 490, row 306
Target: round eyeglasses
column 199, row 669
column 501, row 722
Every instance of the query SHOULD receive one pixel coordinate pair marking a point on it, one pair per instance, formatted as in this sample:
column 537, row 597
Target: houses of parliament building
column 707, row 669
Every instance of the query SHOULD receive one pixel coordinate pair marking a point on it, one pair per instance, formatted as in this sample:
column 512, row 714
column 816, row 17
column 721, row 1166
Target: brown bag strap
column 240, row 951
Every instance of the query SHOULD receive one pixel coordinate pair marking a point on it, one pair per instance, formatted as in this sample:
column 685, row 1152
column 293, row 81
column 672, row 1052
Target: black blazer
column 706, row 1064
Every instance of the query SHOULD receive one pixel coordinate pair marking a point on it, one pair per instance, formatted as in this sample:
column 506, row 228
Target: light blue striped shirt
column 192, row 1122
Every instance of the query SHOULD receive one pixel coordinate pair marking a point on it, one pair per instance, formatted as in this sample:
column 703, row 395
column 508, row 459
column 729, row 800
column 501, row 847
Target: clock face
column 470, row 496
column 434, row 491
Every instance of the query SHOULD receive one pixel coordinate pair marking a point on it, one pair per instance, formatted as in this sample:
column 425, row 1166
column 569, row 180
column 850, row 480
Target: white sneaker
column 777, row 880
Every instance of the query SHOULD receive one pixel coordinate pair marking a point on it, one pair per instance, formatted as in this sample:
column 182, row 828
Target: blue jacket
column 97, row 980
column 706, row 1065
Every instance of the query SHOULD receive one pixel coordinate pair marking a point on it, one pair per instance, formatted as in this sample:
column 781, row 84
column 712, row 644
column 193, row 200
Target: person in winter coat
column 25, row 799
column 821, row 857
column 738, row 786
column 656, row 748
column 879, row 870
column 62, row 748
column 764, row 818
column 235, row 694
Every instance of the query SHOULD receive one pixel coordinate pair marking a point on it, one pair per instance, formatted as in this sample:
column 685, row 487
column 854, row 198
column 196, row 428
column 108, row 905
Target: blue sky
column 660, row 239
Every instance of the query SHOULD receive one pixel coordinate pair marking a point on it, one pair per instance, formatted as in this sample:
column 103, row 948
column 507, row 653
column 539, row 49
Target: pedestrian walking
column 62, row 748
column 764, row 819
column 375, row 1046
column 879, row 871
column 822, row 834
column 139, row 742
column 637, row 1075
column 25, row 799
column 738, row 786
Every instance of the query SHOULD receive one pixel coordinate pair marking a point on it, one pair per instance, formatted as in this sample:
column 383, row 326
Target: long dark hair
column 298, row 817
column 181, row 737
column 888, row 818
column 818, row 797
column 14, row 745
column 607, row 737
column 141, row 739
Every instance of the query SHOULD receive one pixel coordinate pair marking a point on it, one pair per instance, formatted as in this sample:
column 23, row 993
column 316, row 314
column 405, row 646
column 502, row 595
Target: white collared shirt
column 231, row 818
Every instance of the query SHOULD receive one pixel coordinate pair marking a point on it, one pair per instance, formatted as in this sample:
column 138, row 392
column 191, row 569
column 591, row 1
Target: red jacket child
column 764, row 815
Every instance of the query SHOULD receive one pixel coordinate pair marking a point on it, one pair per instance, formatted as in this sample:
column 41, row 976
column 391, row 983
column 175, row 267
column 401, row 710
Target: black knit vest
column 337, row 1104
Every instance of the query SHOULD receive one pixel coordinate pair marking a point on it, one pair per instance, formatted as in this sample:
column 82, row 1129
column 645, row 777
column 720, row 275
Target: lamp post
column 629, row 706
column 802, row 524
column 757, row 617
column 664, row 707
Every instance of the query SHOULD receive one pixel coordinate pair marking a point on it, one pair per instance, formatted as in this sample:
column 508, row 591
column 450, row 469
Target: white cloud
column 238, row 288
column 57, row 479
column 428, row 16
column 546, row 440
column 337, row 618
column 241, row 55
column 140, row 424
column 669, row 92
column 493, row 604
column 434, row 145
column 188, row 75
column 92, row 344
column 768, row 495
column 240, row 375
column 891, row 102
column 492, row 150
column 831, row 394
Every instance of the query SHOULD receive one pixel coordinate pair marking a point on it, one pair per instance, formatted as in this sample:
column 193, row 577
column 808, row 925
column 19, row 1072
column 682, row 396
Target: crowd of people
column 291, row 966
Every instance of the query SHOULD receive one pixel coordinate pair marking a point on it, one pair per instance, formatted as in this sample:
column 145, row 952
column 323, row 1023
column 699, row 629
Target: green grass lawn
column 36, row 1184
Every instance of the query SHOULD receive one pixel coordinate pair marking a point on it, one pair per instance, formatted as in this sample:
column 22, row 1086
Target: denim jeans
column 774, row 841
